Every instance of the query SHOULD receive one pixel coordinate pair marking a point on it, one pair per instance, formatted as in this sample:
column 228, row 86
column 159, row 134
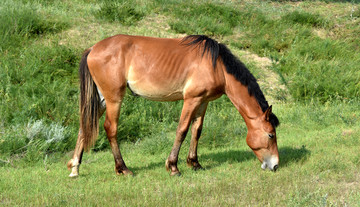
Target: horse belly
column 155, row 92
column 155, row 79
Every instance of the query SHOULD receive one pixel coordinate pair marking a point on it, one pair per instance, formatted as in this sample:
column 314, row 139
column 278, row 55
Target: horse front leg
column 196, row 128
column 110, row 125
column 189, row 108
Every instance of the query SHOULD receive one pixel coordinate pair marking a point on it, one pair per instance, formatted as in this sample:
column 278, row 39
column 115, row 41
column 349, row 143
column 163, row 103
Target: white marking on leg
column 75, row 167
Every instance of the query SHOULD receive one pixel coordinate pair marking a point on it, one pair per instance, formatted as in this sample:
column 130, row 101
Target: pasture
column 305, row 55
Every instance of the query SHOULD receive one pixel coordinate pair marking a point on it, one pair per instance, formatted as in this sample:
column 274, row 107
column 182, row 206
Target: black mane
column 233, row 66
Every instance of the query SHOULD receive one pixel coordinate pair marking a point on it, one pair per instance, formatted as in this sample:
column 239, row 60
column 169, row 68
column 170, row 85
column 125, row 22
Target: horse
column 196, row 69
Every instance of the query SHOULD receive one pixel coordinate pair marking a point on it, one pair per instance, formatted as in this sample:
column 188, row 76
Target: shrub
column 34, row 139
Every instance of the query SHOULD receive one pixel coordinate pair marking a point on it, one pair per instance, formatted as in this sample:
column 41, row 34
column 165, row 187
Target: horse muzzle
column 271, row 163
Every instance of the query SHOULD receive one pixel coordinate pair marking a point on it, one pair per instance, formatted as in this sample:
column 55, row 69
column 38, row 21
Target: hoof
column 194, row 165
column 73, row 175
column 177, row 173
column 126, row 172
column 74, row 169
column 174, row 170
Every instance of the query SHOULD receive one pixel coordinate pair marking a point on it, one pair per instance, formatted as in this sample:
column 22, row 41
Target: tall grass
column 204, row 18
column 305, row 18
column 125, row 12
column 22, row 21
column 312, row 67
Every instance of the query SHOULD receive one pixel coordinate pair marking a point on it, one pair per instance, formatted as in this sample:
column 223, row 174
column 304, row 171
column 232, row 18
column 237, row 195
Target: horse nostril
column 275, row 167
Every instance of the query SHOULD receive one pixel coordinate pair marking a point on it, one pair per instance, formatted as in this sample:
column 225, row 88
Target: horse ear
column 268, row 112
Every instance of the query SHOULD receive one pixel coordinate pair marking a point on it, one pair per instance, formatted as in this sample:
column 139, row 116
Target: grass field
column 306, row 57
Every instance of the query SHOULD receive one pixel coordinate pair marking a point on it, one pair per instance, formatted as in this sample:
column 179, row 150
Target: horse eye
column 271, row 136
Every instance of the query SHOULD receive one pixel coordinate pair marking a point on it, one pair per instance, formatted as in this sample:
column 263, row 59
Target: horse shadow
column 288, row 156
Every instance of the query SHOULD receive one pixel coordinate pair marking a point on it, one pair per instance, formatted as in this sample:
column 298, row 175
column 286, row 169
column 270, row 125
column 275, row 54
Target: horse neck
column 247, row 105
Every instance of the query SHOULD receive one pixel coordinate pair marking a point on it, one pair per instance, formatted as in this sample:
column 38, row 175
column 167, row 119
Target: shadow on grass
column 148, row 166
column 228, row 156
column 288, row 156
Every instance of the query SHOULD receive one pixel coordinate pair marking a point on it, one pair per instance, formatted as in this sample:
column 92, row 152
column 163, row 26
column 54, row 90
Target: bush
column 34, row 140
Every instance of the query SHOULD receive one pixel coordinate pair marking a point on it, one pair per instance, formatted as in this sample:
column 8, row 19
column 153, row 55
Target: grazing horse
column 196, row 69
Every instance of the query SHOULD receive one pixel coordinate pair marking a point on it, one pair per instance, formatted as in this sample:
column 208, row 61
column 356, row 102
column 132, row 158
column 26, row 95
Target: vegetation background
column 305, row 54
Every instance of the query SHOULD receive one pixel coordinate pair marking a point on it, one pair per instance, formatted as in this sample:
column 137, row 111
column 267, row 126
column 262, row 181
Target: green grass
column 319, row 166
column 19, row 22
column 124, row 12
column 207, row 18
column 311, row 76
column 305, row 18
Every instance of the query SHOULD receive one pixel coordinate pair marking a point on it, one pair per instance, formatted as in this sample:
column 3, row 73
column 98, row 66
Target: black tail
column 89, row 104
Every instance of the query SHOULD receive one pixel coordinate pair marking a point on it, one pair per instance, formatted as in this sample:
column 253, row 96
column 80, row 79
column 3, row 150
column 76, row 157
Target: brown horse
column 196, row 69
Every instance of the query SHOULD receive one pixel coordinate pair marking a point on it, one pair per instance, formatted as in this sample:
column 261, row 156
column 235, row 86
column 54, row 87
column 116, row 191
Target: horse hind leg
column 196, row 128
column 74, row 163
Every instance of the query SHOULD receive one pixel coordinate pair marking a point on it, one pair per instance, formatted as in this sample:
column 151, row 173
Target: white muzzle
column 271, row 163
